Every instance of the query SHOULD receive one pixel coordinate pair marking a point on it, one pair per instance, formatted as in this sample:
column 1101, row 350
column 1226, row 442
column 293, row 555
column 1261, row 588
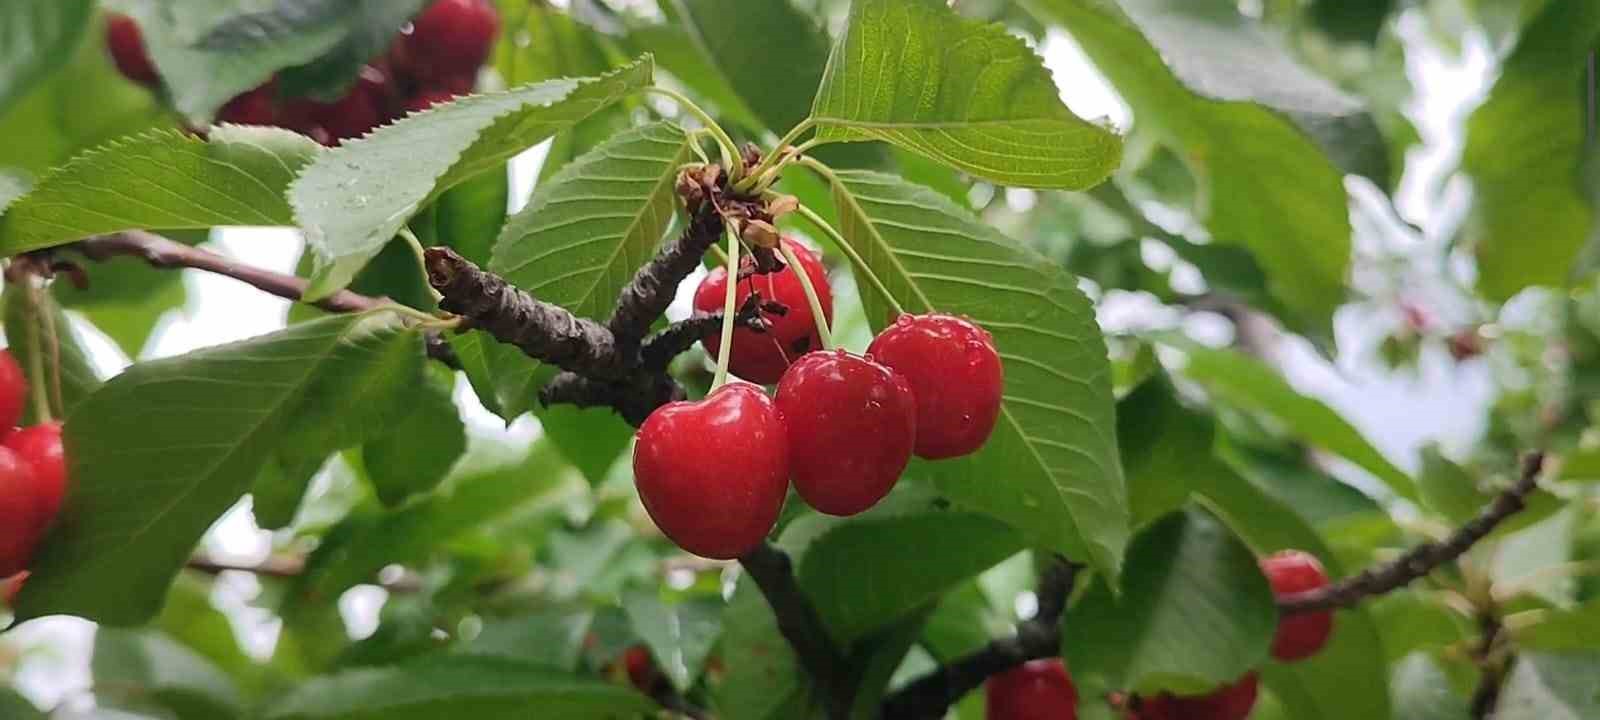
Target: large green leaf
column 162, row 450
column 369, row 27
column 353, row 199
column 1161, row 444
column 1248, row 384
column 66, row 361
column 414, row 453
column 1195, row 612
column 1191, row 81
column 161, row 179
column 1552, row 686
column 1422, row 691
column 676, row 52
column 1532, row 126
column 737, row 37
column 457, row 686
column 149, row 663
column 551, row 637
column 36, row 37
column 680, row 634
column 1566, row 629
column 916, row 74
column 1051, row 467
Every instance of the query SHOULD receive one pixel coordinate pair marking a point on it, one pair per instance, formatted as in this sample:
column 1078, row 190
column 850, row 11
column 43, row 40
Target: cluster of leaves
column 517, row 562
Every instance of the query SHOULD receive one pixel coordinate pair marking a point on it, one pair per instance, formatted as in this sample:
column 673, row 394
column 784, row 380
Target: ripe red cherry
column 1303, row 634
column 851, row 425
column 1035, row 690
column 641, row 668
column 450, row 38
column 13, row 391
column 954, row 371
column 19, row 513
column 255, row 107
column 713, row 473
column 40, row 447
column 761, row 357
column 1229, row 702
column 363, row 107
column 126, row 44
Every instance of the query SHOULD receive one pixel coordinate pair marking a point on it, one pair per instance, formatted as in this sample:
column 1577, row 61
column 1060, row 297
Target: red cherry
column 40, row 447
column 641, row 668
column 450, row 38
column 255, row 107
column 851, row 425
column 126, row 43
column 19, row 513
column 954, row 371
column 13, row 392
column 427, row 99
column 1036, row 690
column 363, row 108
column 1303, row 634
column 713, row 473
column 761, row 357
column 1229, row 702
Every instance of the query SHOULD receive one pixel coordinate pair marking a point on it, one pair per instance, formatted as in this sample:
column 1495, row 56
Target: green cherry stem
column 775, row 159
column 422, row 262
column 730, row 150
column 811, row 295
column 729, row 310
column 35, row 312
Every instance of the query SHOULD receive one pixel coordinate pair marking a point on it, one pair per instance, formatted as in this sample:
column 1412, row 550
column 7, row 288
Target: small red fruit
column 363, row 107
column 956, row 374
column 255, row 107
column 1036, row 690
column 1303, row 634
column 19, row 513
column 761, row 357
column 13, row 392
column 851, row 425
column 450, row 38
column 1229, row 702
column 40, row 447
column 641, row 668
column 713, row 473
column 126, row 43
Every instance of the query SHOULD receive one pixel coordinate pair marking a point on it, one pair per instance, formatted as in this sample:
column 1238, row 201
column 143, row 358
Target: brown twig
column 1492, row 664
column 1422, row 559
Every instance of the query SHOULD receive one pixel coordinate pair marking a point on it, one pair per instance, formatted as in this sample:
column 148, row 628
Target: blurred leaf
column 962, row 623
column 352, row 200
column 914, row 73
column 1351, row 20
column 468, row 217
column 591, row 439
column 149, row 663
column 1563, row 629
column 1195, row 82
column 680, row 635
column 39, row 36
column 1522, row 561
column 737, row 38
column 370, row 27
column 1422, row 691
column 24, row 334
column 161, row 451
column 1195, row 612
column 418, row 448
column 125, row 299
column 17, row 707
column 1051, row 468
column 456, row 686
column 1532, row 126
column 551, row 637
column 476, row 353
column 676, row 52
column 1448, row 489
column 1552, row 686
column 161, row 179
column 189, row 618
column 1162, row 444
column 764, row 680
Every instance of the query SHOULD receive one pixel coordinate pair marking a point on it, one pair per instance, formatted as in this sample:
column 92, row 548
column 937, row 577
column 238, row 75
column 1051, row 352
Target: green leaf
column 125, row 299
column 1191, row 81
column 736, row 39
column 1422, row 691
column 352, row 200
column 1552, row 686
column 456, row 686
column 1249, row 385
column 1162, row 444
column 39, row 36
column 1565, row 629
column 913, row 73
column 680, row 635
column 476, row 351
column 24, row 333
column 150, row 664
column 1448, row 489
column 551, row 637
column 591, row 439
column 161, row 179
column 161, row 451
column 764, row 680
column 1195, row 612
column 17, row 707
column 964, row 622
column 468, row 217
column 676, row 52
column 1532, row 125
column 416, row 452
column 1051, row 468
column 866, row 571
column 369, row 27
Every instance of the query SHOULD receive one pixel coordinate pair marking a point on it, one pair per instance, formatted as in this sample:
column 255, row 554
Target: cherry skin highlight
column 956, row 375
column 1229, row 702
column 851, row 425
column 13, row 392
column 1300, row 635
column 761, row 357
column 713, row 473
column 449, row 39
column 1036, row 690
column 126, row 43
column 19, row 514
column 40, row 447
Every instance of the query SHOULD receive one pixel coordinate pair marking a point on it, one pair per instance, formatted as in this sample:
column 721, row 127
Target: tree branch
column 1492, row 666
column 655, row 284
column 930, row 696
column 1424, row 558
column 798, row 621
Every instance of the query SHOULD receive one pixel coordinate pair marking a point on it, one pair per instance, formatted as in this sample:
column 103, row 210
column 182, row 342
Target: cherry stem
column 856, row 260
column 52, row 341
column 422, row 260
column 811, row 295
column 730, row 307
column 730, row 150
column 775, row 159
column 41, row 399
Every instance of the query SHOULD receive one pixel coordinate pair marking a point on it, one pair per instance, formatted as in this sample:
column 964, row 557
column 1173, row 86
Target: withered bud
column 710, row 175
column 751, row 155
column 760, row 233
column 782, row 205
column 689, row 188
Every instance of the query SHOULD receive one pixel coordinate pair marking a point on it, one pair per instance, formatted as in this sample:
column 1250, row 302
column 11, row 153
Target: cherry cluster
column 713, row 474
column 1043, row 690
column 432, row 60
column 33, row 478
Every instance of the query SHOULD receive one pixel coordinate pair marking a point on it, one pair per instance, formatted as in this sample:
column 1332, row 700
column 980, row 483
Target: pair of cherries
column 713, row 474
column 1043, row 690
column 432, row 60
column 33, row 476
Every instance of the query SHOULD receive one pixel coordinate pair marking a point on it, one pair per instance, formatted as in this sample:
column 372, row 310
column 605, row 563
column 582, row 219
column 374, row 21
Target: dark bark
column 655, row 284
